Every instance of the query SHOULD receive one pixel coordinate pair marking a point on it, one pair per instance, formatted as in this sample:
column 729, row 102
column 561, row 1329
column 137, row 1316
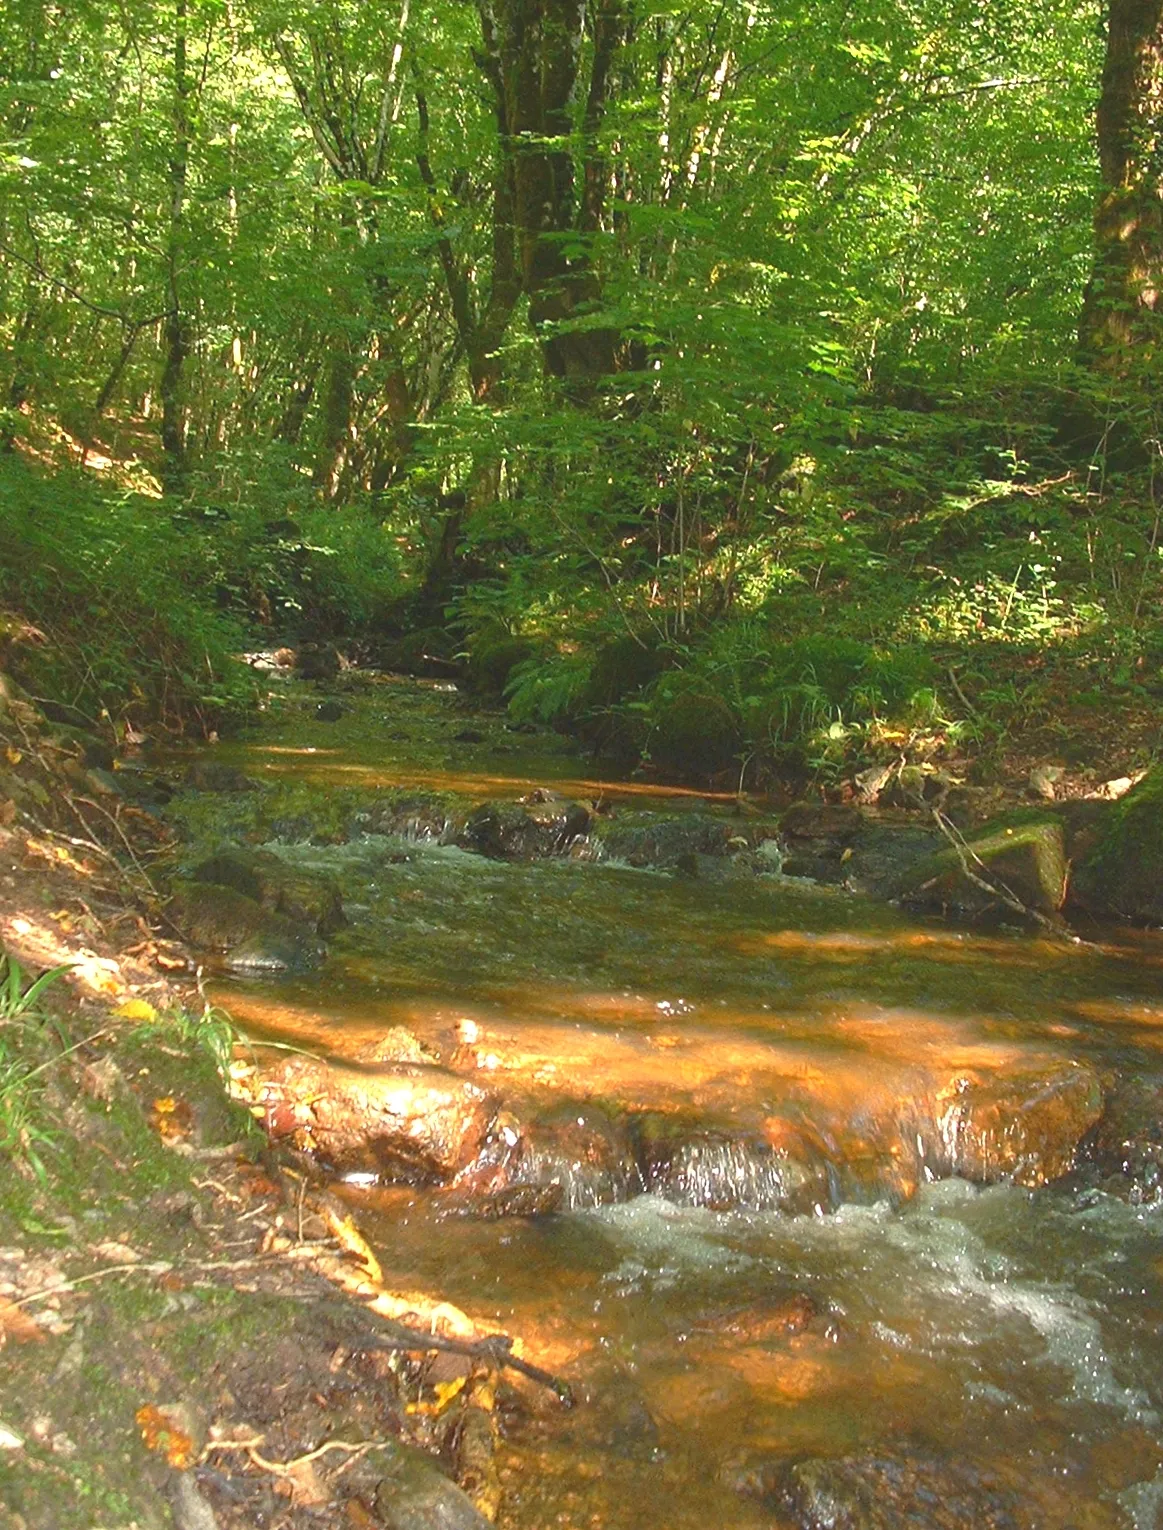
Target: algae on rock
column 1124, row 873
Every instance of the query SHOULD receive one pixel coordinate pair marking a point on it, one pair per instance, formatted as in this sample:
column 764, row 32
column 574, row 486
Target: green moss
column 695, row 734
column 1024, row 853
column 1124, row 873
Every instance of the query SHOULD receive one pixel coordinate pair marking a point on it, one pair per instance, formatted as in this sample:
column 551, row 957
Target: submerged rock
column 890, row 1491
column 523, row 831
column 411, row 1122
column 247, row 936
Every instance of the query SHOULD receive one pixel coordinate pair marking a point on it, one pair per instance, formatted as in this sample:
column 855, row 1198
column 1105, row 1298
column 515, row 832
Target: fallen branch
column 495, row 1350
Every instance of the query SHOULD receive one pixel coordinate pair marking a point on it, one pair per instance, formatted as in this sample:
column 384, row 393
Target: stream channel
column 778, row 1300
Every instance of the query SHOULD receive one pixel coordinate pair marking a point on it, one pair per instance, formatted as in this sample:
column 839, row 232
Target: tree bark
column 532, row 56
column 1122, row 303
column 175, row 332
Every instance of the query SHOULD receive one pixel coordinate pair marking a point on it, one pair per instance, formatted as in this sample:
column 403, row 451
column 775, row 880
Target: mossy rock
column 695, row 734
column 492, row 659
column 621, row 669
column 1024, row 855
column 304, row 897
column 1123, row 874
column 426, row 651
column 245, row 935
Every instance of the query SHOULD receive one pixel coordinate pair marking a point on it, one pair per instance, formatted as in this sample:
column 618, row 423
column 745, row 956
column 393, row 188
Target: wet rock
column 245, row 935
column 698, row 1163
column 1126, row 1146
column 578, row 1147
column 669, row 843
column 1022, row 1126
column 306, row 898
column 396, row 1044
column 882, row 855
column 1123, row 874
column 1026, row 855
column 419, row 816
column 416, row 1495
column 522, row 831
column 317, row 661
column 212, row 776
column 821, row 820
column 329, row 711
column 468, row 736
column 819, row 838
column 411, row 1122
column 890, row 1491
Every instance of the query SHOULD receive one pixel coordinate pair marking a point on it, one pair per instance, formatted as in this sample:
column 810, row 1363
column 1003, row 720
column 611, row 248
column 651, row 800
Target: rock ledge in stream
column 304, row 897
column 891, row 1491
column 1022, row 1126
column 411, row 1122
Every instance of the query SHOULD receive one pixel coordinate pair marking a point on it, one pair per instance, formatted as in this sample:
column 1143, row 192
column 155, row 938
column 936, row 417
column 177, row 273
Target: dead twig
column 495, row 1350
column 288, row 1468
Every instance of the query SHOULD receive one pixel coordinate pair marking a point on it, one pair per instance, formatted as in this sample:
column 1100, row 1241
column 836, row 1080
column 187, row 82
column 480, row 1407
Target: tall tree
column 1123, row 306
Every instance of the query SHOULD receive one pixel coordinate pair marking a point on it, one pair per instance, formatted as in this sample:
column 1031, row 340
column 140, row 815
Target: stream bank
column 194, row 1333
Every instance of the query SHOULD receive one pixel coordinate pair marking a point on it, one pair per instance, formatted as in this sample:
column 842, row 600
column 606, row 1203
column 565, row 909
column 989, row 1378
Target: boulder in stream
column 415, row 1123
column 524, row 831
column 1022, row 857
column 1023, row 1125
column 245, row 935
column 891, row 1491
column 304, row 897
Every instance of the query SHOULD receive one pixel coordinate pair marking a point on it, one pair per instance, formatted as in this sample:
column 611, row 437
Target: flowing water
column 800, row 1277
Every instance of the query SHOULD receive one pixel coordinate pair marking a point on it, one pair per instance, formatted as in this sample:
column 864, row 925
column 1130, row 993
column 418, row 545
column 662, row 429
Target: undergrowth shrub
column 119, row 594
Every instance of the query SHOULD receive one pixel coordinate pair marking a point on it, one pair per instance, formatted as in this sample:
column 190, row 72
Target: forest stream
column 800, row 1233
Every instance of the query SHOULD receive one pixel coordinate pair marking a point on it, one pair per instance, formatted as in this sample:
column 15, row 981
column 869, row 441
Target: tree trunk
column 532, row 57
column 1123, row 297
column 175, row 335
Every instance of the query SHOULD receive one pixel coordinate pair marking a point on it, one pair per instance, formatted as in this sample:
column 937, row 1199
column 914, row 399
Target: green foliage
column 120, row 594
column 24, row 1131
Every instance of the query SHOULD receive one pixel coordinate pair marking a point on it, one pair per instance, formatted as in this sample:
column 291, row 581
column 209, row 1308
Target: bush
column 118, row 592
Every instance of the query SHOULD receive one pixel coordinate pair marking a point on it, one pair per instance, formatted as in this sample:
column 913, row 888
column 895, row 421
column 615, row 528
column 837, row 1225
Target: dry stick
column 495, row 1350
column 285, row 1468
